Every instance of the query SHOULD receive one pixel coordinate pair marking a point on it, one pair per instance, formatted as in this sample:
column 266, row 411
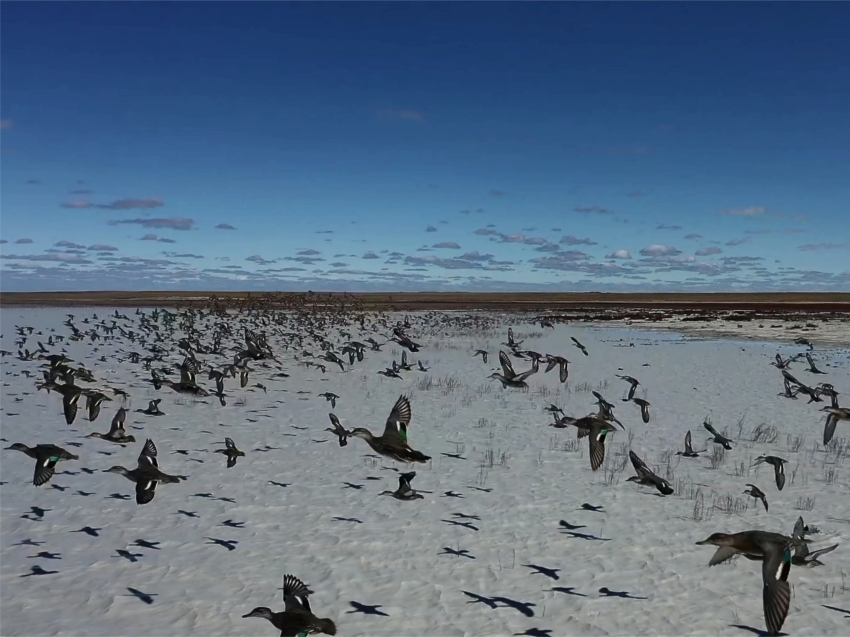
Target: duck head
column 717, row 539
column 260, row 611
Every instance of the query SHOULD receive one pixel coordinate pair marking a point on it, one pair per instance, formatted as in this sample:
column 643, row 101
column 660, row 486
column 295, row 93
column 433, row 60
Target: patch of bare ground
column 576, row 306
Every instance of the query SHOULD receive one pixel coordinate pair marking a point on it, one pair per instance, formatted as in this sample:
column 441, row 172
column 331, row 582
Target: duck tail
column 326, row 626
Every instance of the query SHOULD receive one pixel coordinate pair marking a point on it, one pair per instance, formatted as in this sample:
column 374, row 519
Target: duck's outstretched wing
column 398, row 421
column 507, row 366
column 404, row 482
column 187, row 376
column 145, row 490
column 710, row 429
column 787, row 376
column 723, row 554
column 69, row 406
column 688, row 448
column 776, row 595
column 640, row 466
column 148, row 455
column 339, row 430
column 829, row 428
column 813, row 555
column 117, row 425
column 94, row 409
column 296, row 594
column 597, row 447
column 779, row 471
column 644, row 408
column 799, row 529
column 44, row 470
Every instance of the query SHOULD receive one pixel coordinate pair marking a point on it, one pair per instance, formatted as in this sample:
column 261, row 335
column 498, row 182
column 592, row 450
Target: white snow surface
column 498, row 485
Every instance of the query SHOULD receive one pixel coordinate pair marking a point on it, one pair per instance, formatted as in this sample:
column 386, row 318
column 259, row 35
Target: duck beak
column 703, row 542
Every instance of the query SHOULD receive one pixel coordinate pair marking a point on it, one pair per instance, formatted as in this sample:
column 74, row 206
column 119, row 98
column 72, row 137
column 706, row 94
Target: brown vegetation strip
column 814, row 302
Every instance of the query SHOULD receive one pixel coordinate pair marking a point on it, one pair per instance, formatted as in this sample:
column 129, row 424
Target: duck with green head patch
column 393, row 442
column 774, row 550
column 46, row 457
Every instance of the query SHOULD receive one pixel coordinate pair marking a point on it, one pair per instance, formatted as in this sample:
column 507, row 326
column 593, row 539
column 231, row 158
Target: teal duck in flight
column 754, row 492
column 508, row 377
column 633, row 382
column 330, row 397
column 778, row 468
column 341, row 432
column 93, row 402
column 717, row 438
column 153, row 408
column 774, row 550
column 70, row 397
column 644, row 408
column 647, row 477
column 186, row 385
column 297, row 618
column 147, row 474
column 405, row 491
column 231, row 452
column 563, row 366
column 802, row 556
column 513, row 344
column 116, row 432
column 834, row 414
column 46, row 457
column 393, row 442
column 689, row 450
column 579, row 345
column 596, row 429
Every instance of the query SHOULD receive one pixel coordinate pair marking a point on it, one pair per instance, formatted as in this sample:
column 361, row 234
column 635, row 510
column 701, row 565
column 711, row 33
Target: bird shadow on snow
column 838, row 610
column 607, row 592
column 537, row 632
column 551, row 573
column 366, row 609
column 147, row 598
column 756, row 631
column 505, row 602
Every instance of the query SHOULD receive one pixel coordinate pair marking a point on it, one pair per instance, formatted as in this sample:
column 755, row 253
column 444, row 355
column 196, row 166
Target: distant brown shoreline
column 766, row 302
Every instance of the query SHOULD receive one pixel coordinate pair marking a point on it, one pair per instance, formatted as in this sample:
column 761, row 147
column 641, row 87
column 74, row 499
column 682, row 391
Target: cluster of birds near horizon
column 157, row 334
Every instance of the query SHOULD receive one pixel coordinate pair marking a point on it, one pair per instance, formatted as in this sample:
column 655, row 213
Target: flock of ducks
column 151, row 332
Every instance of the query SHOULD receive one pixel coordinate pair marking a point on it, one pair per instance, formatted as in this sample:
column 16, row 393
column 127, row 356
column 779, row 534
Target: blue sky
column 409, row 146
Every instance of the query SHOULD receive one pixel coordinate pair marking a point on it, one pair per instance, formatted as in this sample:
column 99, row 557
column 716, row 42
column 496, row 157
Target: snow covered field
column 500, row 545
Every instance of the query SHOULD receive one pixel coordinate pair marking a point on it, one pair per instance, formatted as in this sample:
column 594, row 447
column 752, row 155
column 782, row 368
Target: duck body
column 46, row 457
column 393, row 442
column 294, row 623
column 297, row 618
column 147, row 474
column 774, row 550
